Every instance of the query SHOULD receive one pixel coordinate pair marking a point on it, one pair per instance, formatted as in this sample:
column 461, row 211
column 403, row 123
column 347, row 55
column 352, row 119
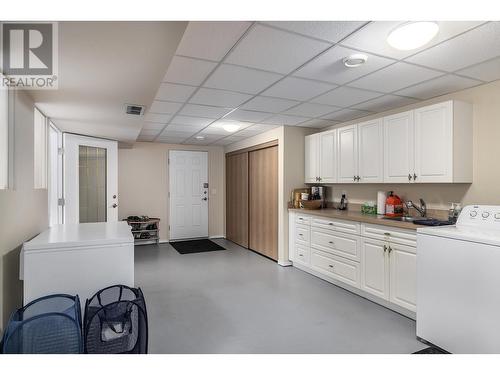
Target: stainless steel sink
column 408, row 219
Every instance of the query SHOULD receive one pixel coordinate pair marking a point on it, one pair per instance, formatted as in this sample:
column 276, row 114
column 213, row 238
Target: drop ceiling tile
column 439, row 86
column 145, row 138
column 227, row 141
column 238, row 78
column 329, row 67
column 285, row 120
column 346, row 115
column 373, row 37
column 311, row 110
column 384, row 103
column 173, row 92
column 149, row 132
column 204, row 111
column 264, row 127
column 319, row 123
column 298, row 89
column 330, row 31
column 467, row 49
column 219, row 98
column 274, row 50
column 164, row 107
column 157, row 117
column 267, row 104
column 171, row 140
column 210, row 40
column 185, row 128
column 193, row 121
column 153, row 125
column 188, row 71
column 171, row 133
column 250, row 116
column 487, row 71
column 395, row 77
column 345, row 97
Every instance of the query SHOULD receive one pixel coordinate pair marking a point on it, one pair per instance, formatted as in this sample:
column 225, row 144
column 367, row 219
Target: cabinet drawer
column 338, row 225
column 302, row 219
column 396, row 235
column 302, row 254
column 303, row 233
column 336, row 267
column 336, row 243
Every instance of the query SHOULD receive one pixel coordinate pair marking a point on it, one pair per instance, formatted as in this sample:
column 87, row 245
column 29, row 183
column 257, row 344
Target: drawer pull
column 387, row 234
column 331, row 242
column 301, row 255
column 300, row 234
column 330, row 265
column 331, row 224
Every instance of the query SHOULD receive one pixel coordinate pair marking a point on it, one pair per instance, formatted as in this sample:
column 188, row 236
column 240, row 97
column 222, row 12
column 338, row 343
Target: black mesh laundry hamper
column 47, row 325
column 116, row 322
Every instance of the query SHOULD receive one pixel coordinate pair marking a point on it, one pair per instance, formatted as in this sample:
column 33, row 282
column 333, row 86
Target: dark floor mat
column 195, row 246
column 431, row 350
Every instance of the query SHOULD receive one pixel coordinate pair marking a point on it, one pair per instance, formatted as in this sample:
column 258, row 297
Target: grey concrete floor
column 235, row 301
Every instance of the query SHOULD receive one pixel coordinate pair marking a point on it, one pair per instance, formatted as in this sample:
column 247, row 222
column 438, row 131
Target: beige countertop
column 357, row 216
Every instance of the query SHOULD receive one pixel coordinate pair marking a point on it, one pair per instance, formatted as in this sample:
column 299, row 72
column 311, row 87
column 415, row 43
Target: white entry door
column 90, row 179
column 188, row 191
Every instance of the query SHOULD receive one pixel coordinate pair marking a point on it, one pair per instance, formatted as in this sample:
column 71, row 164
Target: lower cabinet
column 378, row 260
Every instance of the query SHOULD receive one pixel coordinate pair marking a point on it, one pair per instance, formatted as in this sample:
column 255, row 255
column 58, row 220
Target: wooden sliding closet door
column 237, row 198
column 263, row 201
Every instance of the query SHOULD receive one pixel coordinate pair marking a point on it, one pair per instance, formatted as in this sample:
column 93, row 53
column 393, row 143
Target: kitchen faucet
column 422, row 210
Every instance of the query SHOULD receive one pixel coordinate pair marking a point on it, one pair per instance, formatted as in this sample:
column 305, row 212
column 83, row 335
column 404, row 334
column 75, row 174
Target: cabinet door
column 398, row 147
column 328, row 157
column 403, row 275
column 434, row 143
column 311, row 158
column 371, row 151
column 375, row 268
column 347, row 146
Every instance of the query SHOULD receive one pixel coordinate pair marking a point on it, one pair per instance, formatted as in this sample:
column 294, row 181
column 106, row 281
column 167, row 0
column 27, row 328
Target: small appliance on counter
column 343, row 202
column 319, row 193
column 393, row 205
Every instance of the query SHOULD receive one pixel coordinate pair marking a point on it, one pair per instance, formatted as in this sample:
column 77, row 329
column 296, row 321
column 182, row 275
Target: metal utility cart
column 145, row 231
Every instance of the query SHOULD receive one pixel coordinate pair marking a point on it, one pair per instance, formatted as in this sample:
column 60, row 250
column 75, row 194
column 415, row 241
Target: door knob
column 114, row 205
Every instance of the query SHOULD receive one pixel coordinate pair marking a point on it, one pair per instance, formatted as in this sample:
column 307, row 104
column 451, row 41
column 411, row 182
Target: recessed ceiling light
column 230, row 128
column 355, row 60
column 412, row 35
column 200, row 137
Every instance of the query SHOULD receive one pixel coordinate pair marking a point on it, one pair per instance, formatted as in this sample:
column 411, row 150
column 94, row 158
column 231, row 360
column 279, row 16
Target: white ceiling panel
column 439, row 86
column 318, row 123
column 298, row 89
column 264, row 127
column 171, row 140
column 267, row 104
column 384, row 103
column 395, row 77
column 210, row 40
column 157, row 117
column 164, row 107
column 330, row 31
column 145, row 138
column 174, row 93
column 185, row 128
column 487, row 71
column 149, row 132
column 346, row 115
column 204, row 111
column 373, row 37
column 311, row 110
column 250, row 116
column 153, row 125
column 227, row 141
column 238, row 78
column 475, row 46
column 285, row 120
column 219, row 98
column 274, row 50
column 188, row 71
column 172, row 133
column 329, row 66
column 193, row 121
column 345, row 97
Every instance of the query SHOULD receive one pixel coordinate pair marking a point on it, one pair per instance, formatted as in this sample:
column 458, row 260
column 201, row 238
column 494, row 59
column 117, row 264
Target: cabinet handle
column 387, row 234
column 358, row 178
column 390, row 249
column 414, row 176
column 385, row 248
column 330, row 265
column 354, row 178
column 331, row 242
column 409, row 177
column 319, row 179
column 300, row 234
column 301, row 255
column 331, row 224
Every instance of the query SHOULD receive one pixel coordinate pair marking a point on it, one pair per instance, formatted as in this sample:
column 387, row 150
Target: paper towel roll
column 381, row 197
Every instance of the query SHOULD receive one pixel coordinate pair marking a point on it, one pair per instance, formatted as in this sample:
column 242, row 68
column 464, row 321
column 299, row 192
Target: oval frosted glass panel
column 92, row 184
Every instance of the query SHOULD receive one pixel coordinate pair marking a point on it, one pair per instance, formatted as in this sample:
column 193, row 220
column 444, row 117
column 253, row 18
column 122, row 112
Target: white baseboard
column 285, row 263
column 217, row 236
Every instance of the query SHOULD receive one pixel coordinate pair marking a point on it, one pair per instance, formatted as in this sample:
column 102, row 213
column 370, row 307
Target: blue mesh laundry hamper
column 47, row 325
column 116, row 322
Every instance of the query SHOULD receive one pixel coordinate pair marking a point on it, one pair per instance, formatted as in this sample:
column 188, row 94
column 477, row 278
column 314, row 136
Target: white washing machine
column 458, row 282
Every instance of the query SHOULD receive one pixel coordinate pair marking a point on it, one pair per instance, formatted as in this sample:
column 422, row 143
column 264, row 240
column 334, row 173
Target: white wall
column 23, row 210
column 143, row 183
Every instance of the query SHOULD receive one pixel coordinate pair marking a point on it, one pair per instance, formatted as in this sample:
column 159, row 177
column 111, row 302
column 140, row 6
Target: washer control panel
column 480, row 215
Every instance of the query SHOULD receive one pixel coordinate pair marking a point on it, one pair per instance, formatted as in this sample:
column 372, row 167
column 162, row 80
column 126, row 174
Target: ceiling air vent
column 134, row 109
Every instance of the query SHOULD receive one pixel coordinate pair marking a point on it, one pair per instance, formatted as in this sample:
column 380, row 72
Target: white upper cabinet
column 312, row 158
column 328, row 157
column 347, row 148
column 398, row 147
column 371, row 151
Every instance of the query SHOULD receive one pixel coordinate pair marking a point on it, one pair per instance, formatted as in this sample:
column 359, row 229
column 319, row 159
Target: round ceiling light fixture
column 412, row 35
column 353, row 61
column 230, row 128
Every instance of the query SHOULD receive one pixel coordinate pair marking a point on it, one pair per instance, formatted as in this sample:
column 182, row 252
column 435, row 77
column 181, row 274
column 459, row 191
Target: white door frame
column 170, row 197
column 55, row 171
column 71, row 175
